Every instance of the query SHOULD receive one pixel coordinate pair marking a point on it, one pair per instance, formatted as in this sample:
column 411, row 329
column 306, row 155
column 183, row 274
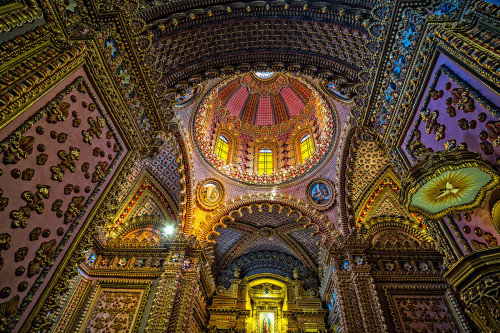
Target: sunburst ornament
column 446, row 181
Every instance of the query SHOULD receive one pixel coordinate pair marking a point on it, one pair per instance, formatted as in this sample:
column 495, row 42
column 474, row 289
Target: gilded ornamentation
column 41, row 159
column 5, row 239
column 67, row 162
column 47, row 65
column 42, row 257
column 20, row 254
column 100, row 171
column 34, row 202
column 210, row 193
column 4, row 202
column 18, row 148
column 19, row 12
column 96, row 126
column 250, row 129
column 135, row 54
column 447, row 181
column 74, row 209
column 28, row 174
column 8, row 310
column 58, row 112
column 35, row 233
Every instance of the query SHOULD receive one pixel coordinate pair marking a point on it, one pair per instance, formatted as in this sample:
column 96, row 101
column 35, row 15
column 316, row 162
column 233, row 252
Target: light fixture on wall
column 169, row 229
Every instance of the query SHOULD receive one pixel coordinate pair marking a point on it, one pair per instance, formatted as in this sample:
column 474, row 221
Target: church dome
column 277, row 116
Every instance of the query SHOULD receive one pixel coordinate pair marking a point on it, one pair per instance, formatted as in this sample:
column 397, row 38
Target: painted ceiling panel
column 226, row 241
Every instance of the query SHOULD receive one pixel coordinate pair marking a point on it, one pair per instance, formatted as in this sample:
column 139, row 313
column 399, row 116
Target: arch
column 305, row 145
column 381, row 199
column 380, row 224
column 312, row 219
column 224, row 144
column 269, row 262
column 265, row 158
column 146, row 190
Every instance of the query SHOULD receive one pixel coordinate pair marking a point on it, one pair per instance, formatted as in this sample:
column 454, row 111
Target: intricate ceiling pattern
column 250, row 112
column 265, row 227
column 262, row 261
column 250, row 40
column 371, row 83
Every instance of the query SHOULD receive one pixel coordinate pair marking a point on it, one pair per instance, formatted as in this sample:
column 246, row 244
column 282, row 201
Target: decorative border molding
column 220, row 187
column 18, row 13
column 333, row 193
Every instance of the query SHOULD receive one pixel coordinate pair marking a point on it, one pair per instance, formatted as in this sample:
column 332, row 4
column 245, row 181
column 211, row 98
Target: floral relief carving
column 3, row 201
column 67, row 162
column 58, row 113
column 42, row 257
column 115, row 311
column 424, row 314
column 20, row 147
column 100, row 171
column 33, row 203
column 74, row 209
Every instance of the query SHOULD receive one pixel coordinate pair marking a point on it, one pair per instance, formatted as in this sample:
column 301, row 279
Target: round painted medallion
column 321, row 194
column 210, row 193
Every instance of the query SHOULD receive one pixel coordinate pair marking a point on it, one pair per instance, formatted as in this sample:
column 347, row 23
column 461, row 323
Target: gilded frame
column 321, row 206
column 103, row 285
column 199, row 195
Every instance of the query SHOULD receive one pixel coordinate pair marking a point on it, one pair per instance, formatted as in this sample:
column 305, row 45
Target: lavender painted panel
column 476, row 128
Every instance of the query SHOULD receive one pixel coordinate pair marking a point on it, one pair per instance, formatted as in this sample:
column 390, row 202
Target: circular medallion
column 190, row 94
column 321, row 193
column 210, row 193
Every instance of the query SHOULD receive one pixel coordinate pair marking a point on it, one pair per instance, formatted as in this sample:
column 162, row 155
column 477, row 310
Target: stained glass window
column 306, row 147
column 223, row 148
column 265, row 164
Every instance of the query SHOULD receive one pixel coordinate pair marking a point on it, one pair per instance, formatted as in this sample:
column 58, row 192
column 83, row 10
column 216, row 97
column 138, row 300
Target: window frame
column 298, row 144
column 229, row 137
column 274, row 159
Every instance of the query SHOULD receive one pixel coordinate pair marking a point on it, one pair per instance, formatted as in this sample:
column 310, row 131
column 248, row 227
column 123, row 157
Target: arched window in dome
column 265, row 162
column 222, row 150
column 306, row 147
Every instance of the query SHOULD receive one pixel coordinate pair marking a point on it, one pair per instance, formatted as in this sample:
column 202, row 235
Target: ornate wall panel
column 57, row 158
column 73, row 304
column 115, row 307
column 456, row 109
column 425, row 309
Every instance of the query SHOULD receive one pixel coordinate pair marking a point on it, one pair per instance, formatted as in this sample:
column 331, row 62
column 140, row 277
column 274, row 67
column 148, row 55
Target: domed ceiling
column 264, row 111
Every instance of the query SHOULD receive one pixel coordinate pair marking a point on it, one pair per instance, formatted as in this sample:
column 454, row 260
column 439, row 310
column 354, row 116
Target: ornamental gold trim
column 209, row 197
column 18, row 13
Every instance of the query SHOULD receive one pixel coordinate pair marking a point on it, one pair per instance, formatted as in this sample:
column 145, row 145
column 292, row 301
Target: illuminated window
column 264, row 75
column 222, row 148
column 306, row 148
column 265, row 164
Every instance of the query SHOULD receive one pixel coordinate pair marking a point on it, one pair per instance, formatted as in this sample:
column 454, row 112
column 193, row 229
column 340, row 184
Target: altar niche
column 267, row 303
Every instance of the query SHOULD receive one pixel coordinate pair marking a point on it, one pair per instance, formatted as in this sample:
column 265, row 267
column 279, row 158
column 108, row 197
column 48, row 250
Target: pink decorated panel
column 56, row 159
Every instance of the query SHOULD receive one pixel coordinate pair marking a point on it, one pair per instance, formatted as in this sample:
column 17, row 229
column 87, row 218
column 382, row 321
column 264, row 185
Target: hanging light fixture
column 442, row 182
